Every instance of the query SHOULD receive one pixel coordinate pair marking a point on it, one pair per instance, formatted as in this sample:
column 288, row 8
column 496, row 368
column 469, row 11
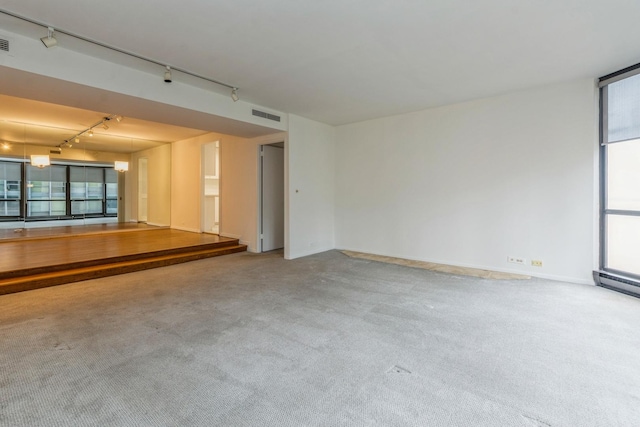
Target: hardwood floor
column 39, row 261
column 10, row 234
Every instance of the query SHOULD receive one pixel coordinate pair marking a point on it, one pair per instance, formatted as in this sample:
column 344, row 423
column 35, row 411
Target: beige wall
column 158, row 186
column 186, row 179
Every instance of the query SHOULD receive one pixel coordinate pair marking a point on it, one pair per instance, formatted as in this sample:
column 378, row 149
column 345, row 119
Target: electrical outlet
column 536, row 262
column 516, row 260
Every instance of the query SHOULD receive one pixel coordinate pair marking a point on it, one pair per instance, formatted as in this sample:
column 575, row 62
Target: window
column 56, row 191
column 87, row 190
column 620, row 174
column 10, row 189
column 111, row 178
column 46, row 191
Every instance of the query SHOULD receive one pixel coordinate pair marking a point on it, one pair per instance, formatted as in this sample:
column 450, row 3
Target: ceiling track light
column 112, row 48
column 234, row 94
column 89, row 130
column 50, row 40
column 167, row 75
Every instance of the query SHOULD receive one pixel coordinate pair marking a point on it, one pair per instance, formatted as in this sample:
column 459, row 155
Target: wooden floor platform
column 35, row 262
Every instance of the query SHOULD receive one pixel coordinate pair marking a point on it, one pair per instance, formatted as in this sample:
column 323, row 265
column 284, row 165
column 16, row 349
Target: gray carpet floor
column 327, row 340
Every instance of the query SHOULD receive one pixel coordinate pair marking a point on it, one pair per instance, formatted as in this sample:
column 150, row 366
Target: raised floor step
column 42, row 279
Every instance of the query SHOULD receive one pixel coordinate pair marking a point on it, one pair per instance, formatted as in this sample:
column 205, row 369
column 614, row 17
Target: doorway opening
column 142, row 189
column 271, row 177
column 211, row 188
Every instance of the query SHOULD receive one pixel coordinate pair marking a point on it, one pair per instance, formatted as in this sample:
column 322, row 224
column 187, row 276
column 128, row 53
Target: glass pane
column 44, row 209
column 78, row 190
column 94, row 206
column 112, row 206
column 112, row 191
column 95, row 190
column 81, row 207
column 77, row 207
column 623, row 243
column 58, row 191
column 9, row 190
column 623, row 179
column 9, row 208
column 624, row 109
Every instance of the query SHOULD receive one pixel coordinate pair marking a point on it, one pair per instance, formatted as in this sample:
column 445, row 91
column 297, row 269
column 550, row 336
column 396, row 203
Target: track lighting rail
column 116, row 49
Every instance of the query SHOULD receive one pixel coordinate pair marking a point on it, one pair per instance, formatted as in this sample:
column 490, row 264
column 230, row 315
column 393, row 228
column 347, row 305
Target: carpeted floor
column 327, row 340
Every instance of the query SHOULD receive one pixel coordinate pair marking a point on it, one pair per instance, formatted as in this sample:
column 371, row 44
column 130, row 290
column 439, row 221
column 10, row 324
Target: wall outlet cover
column 516, row 260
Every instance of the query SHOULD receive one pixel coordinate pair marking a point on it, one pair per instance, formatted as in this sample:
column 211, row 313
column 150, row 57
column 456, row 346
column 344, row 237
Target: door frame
column 202, row 185
column 260, row 187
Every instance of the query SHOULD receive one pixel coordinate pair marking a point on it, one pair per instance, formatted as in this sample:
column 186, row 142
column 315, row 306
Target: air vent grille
column 264, row 115
column 4, row 45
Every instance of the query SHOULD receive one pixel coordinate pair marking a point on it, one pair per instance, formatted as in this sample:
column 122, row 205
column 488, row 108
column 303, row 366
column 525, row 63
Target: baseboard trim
column 191, row 230
column 481, row 267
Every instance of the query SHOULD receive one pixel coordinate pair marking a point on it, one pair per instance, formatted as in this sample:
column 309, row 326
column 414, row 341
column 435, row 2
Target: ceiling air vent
column 4, row 45
column 264, row 115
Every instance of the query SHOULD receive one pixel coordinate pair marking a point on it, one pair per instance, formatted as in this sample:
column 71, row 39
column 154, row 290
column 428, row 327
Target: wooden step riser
column 112, row 269
column 123, row 258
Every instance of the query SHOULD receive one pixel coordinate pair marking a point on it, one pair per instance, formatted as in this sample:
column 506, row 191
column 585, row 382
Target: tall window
column 87, row 190
column 10, row 189
column 46, row 191
column 620, row 160
column 111, row 179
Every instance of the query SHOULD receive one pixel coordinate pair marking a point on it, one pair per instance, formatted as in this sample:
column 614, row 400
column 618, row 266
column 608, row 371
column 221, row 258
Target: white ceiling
column 339, row 61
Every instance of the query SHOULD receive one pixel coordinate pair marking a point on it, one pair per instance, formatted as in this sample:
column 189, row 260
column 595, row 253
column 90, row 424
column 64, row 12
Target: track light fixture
column 167, row 75
column 89, row 130
column 234, row 94
column 50, row 40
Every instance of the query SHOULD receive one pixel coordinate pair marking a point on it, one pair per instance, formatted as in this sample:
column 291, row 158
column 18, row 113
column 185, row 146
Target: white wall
column 310, row 188
column 239, row 183
column 473, row 183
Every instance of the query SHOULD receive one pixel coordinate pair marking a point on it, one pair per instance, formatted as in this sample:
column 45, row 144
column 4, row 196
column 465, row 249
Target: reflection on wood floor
column 74, row 230
column 47, row 257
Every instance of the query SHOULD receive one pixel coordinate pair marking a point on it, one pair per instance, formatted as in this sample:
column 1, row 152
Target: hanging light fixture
column 50, row 40
column 121, row 166
column 40, row 161
column 234, row 94
column 90, row 132
column 167, row 75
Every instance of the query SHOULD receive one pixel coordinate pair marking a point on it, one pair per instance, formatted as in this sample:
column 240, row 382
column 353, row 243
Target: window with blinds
column 620, row 173
column 56, row 191
column 10, row 189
